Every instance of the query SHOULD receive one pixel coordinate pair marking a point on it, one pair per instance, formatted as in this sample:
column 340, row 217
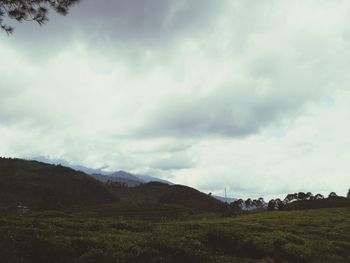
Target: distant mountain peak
column 103, row 176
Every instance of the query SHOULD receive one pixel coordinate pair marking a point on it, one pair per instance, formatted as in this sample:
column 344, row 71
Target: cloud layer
column 245, row 95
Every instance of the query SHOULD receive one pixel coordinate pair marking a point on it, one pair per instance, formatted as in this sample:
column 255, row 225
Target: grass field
column 295, row 236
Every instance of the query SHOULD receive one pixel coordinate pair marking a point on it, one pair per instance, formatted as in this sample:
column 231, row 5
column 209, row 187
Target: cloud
column 222, row 113
column 177, row 161
column 209, row 94
column 310, row 156
column 128, row 27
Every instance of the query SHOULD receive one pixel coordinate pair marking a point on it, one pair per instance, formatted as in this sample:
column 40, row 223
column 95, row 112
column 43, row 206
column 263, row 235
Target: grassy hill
column 320, row 235
column 182, row 224
column 44, row 186
column 160, row 193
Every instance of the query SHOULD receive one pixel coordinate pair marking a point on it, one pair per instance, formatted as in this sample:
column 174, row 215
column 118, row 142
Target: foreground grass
column 296, row 236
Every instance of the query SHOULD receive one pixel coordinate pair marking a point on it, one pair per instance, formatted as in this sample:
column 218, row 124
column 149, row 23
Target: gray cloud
column 219, row 113
column 120, row 26
column 173, row 162
column 136, row 19
column 195, row 90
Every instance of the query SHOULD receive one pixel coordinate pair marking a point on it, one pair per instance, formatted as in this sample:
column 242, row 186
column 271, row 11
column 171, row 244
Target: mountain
column 149, row 179
column 126, row 176
column 63, row 162
column 46, row 186
column 42, row 186
column 122, row 177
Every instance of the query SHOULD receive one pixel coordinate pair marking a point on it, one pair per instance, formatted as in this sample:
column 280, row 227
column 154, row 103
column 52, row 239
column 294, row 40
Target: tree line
column 278, row 204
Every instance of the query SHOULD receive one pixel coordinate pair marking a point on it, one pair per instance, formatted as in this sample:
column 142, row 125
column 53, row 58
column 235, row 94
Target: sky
column 251, row 96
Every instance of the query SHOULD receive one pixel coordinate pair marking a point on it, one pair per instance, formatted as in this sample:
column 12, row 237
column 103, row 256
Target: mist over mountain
column 103, row 175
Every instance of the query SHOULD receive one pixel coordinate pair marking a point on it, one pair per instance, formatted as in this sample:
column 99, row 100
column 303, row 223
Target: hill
column 160, row 193
column 114, row 178
column 44, row 186
column 100, row 174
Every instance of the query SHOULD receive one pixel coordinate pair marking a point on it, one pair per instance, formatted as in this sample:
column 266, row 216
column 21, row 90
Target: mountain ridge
column 99, row 174
column 46, row 186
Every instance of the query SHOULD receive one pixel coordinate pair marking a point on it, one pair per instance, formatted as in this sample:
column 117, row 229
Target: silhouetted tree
column 279, row 204
column 31, row 10
column 248, row 202
column 332, row 194
column 309, row 196
column 236, row 206
column 348, row 195
column 301, row 196
column 318, row 196
column 289, row 198
column 271, row 206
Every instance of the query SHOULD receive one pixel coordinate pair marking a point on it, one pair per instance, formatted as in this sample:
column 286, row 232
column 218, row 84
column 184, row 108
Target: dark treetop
column 31, row 10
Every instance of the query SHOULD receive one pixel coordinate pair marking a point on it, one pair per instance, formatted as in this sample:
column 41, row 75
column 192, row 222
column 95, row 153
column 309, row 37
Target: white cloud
column 247, row 95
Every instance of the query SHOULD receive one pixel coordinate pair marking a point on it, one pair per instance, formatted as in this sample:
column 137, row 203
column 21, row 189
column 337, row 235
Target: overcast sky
column 249, row 95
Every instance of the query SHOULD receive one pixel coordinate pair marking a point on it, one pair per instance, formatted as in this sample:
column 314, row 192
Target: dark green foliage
column 331, row 202
column 275, row 204
column 300, row 201
column 332, row 194
column 318, row 196
column 236, row 206
column 179, row 224
column 31, row 10
column 159, row 193
column 43, row 186
column 295, row 236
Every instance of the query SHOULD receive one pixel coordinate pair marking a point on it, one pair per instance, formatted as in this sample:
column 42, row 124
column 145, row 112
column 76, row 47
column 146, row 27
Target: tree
column 301, row 196
column 31, row 10
column 248, row 203
column 271, row 206
column 279, row 204
column 236, row 206
column 309, row 196
column 348, row 195
column 289, row 198
column 258, row 203
column 332, row 194
column 318, row 197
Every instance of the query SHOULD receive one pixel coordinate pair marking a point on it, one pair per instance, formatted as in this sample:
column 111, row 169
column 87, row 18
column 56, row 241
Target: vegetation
column 160, row 193
column 43, row 186
column 299, row 201
column 31, row 10
column 74, row 218
column 296, row 236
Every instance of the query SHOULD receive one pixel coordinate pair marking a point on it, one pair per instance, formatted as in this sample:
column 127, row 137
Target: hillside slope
column 45, row 186
column 161, row 193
